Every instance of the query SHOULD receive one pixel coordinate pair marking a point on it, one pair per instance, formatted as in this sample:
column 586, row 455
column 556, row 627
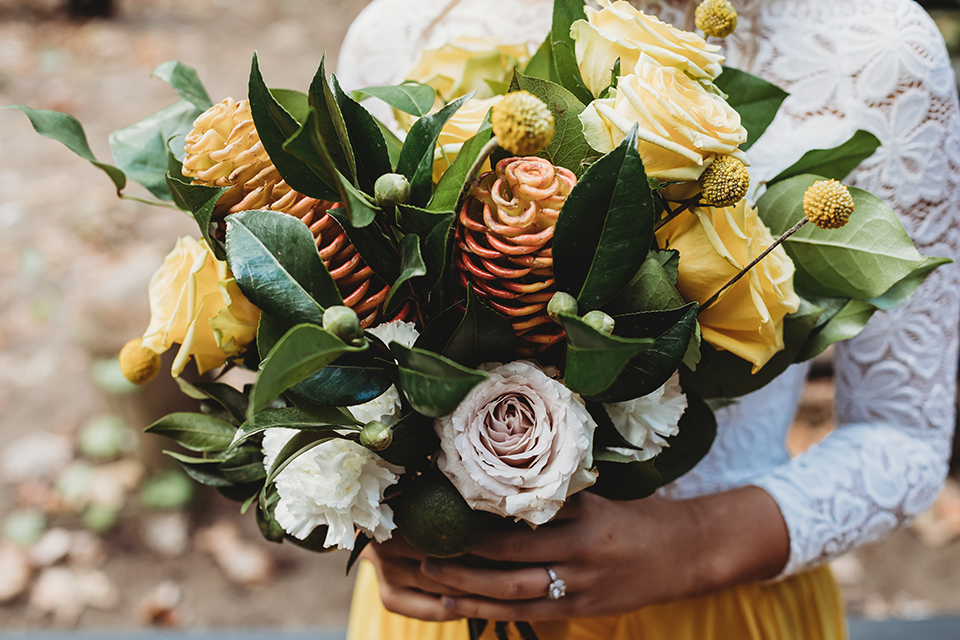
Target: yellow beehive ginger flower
column 714, row 245
column 828, row 204
column 195, row 302
column 725, row 181
column 461, row 127
column 716, row 18
column 522, row 123
column 682, row 125
column 619, row 31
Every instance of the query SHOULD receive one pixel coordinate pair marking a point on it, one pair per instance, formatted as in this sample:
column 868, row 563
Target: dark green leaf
column 372, row 244
column 294, row 418
column 342, row 384
column 410, row 97
column 186, row 82
column 414, row 441
column 650, row 289
column 394, row 144
column 483, row 335
column 68, row 131
column 244, row 466
column 756, row 100
column 412, row 265
column 604, row 228
column 836, row 163
column 565, row 13
column 197, row 199
column 333, row 129
column 274, row 259
column 595, row 360
column 296, row 103
column 195, row 431
column 447, row 194
column 266, row 518
column 358, row 546
column 621, row 478
column 435, row 231
column 569, row 147
column 234, row 401
column 206, row 472
column 434, row 385
column 369, row 146
column 698, row 429
column 541, row 64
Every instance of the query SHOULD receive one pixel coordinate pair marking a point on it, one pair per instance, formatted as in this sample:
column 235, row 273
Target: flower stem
column 685, row 205
column 485, row 153
column 786, row 234
column 155, row 203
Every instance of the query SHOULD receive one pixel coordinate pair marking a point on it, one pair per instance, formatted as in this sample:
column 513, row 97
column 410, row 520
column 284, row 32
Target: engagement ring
column 557, row 588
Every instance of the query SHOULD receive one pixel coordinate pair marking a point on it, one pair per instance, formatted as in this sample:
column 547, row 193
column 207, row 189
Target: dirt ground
column 74, row 265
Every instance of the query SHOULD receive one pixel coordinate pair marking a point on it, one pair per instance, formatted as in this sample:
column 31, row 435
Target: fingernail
column 430, row 567
column 448, row 602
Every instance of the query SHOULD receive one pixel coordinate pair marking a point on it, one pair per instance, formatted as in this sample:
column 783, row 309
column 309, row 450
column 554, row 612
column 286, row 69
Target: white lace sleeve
column 896, row 381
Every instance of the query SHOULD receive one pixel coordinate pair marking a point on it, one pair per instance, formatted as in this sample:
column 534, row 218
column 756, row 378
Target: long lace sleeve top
column 878, row 65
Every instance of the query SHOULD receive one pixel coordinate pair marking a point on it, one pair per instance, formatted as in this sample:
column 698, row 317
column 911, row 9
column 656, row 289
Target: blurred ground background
column 96, row 529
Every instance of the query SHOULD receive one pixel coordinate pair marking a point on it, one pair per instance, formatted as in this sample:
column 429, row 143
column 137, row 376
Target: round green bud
column 600, row 321
column 342, row 322
column 376, row 435
column 391, row 189
column 561, row 304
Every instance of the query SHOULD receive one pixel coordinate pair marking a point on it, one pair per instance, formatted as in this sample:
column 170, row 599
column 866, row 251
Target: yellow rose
column 465, row 64
column 682, row 125
column 714, row 245
column 195, row 301
column 620, row 31
column 461, row 127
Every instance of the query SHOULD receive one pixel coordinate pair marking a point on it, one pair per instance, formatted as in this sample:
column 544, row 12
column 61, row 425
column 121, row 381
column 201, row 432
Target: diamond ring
column 557, row 588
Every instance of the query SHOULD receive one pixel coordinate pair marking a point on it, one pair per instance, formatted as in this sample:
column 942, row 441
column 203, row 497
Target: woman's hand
column 613, row 556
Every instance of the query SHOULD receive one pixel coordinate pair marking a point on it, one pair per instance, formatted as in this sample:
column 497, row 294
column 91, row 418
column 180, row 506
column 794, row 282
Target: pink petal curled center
column 509, row 429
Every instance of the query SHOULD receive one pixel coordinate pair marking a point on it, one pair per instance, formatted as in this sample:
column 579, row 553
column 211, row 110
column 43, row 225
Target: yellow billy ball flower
column 828, row 204
column 139, row 364
column 725, row 181
column 716, row 18
column 522, row 123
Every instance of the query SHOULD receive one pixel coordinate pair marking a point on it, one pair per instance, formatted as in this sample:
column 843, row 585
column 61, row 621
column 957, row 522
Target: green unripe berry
column 376, row 435
column 600, row 321
column 342, row 322
column 391, row 189
column 561, row 304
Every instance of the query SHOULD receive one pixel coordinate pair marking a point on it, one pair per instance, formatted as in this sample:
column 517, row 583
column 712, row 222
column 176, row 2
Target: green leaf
column 435, row 228
column 140, row 150
column 369, row 146
column 901, row 292
column 569, row 147
column 266, row 518
column 274, row 126
column 372, row 244
column 483, row 335
column 274, row 259
column 434, row 385
column 294, row 102
column 358, row 546
column 595, row 360
column 68, row 131
column 186, row 82
column 672, row 332
column 411, row 262
column 447, row 194
column 416, row 157
column 195, row 431
column 756, row 100
column 698, row 429
column 231, row 399
column 860, row 260
column 394, row 144
column 410, row 97
column 414, row 441
column 244, row 466
column 621, row 478
column 541, row 64
column 836, row 163
column 206, row 472
column 650, row 289
column 197, row 199
column 294, row 418
column 605, row 227
column 301, row 352
column 333, row 129
column 565, row 13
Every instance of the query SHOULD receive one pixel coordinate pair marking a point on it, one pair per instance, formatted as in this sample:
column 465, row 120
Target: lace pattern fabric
column 877, row 65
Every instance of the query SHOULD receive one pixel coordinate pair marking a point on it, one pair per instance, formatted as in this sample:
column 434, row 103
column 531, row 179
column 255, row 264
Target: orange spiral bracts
column 504, row 243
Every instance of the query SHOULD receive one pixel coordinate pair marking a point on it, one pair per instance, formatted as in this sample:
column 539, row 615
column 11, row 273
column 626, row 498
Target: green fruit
column 435, row 519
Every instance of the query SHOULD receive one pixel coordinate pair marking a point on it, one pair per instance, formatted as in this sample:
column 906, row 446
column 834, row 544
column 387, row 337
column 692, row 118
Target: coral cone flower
column 505, row 243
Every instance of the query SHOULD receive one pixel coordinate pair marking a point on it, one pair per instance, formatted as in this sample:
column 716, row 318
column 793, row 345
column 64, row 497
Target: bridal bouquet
column 539, row 282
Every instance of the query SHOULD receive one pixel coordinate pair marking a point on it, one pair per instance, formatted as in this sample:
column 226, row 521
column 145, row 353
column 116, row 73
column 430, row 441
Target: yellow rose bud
column 618, row 30
column 139, row 364
column 725, row 181
column 714, row 245
column 681, row 123
column 716, row 18
column 522, row 123
column 828, row 204
column 194, row 301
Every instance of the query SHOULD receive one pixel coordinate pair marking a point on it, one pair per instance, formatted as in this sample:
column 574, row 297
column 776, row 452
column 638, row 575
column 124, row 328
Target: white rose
column 338, row 484
column 518, row 444
column 648, row 421
column 386, row 406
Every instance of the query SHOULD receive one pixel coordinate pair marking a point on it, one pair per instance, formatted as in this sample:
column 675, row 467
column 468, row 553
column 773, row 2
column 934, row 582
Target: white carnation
column 338, row 484
column 386, row 406
column 647, row 422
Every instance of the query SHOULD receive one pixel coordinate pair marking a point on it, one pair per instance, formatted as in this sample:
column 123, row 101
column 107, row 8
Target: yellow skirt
column 807, row 606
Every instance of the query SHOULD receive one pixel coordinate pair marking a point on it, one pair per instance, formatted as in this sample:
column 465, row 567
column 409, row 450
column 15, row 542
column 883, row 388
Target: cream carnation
column 647, row 422
column 518, row 444
column 386, row 406
column 338, row 484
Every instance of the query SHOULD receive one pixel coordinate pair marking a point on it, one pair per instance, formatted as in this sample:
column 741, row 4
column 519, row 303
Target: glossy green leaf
column 901, row 292
column 372, row 244
column 186, row 82
column 416, row 157
column 231, row 399
column 569, row 147
column 195, row 431
column 300, row 353
column 294, row 102
column 451, row 185
column 414, row 441
column 410, row 97
column 68, row 131
column 435, row 229
column 860, row 260
column 756, row 100
column 483, row 335
column 270, row 529
column 394, row 144
column 244, row 465
column 563, row 55
column 206, row 472
column 698, row 430
column 333, row 128
column 274, row 126
column 433, row 384
column 650, row 289
column 412, row 266
column 369, row 146
column 197, row 199
column 294, row 418
column 274, row 259
column 541, row 64
column 605, row 227
column 342, row 384
column 622, row 478
column 836, row 163
column 595, row 360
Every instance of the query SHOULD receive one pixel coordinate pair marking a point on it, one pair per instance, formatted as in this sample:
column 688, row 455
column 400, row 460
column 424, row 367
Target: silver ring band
column 557, row 587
